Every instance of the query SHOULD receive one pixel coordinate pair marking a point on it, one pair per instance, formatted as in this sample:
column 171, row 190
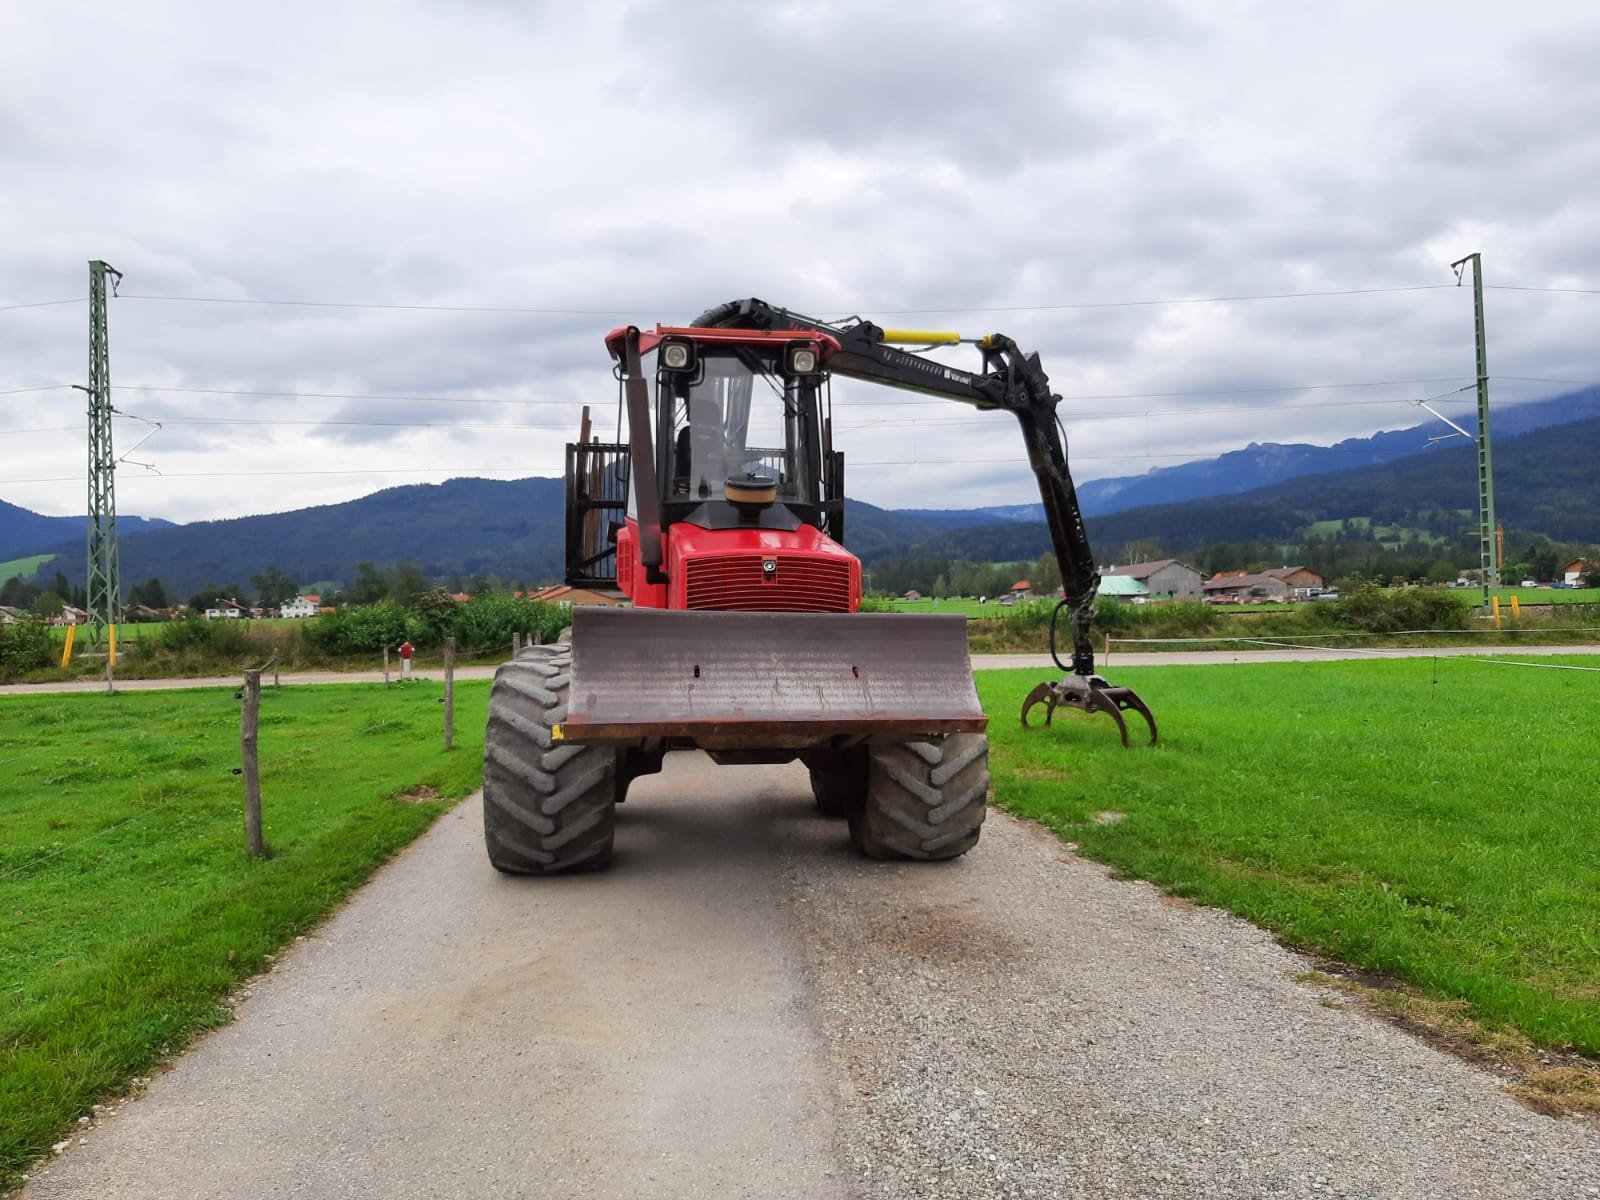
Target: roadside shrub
column 195, row 633
column 1364, row 605
column 25, row 646
column 430, row 617
column 489, row 620
column 1153, row 620
column 364, row 630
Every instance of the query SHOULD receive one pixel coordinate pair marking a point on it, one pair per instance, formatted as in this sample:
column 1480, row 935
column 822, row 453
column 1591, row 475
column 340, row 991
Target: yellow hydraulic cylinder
column 921, row 337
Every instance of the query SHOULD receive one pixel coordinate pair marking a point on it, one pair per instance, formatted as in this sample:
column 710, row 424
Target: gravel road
column 742, row 1008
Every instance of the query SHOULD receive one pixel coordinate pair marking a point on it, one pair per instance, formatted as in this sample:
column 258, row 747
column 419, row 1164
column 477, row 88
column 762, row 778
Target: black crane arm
column 1011, row 380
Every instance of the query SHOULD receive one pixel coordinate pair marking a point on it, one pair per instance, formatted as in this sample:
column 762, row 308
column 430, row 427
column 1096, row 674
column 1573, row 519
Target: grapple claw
column 1043, row 693
column 1090, row 694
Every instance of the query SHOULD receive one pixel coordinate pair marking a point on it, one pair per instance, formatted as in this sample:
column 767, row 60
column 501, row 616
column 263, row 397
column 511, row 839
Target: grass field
column 1432, row 820
column 130, row 631
column 967, row 606
column 131, row 910
column 24, row 567
column 1539, row 595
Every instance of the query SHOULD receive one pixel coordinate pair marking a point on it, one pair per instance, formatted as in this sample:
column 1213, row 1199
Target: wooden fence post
column 251, row 766
column 386, row 666
column 449, row 692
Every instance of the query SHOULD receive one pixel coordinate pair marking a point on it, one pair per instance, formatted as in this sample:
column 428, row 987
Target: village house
column 561, row 593
column 300, row 606
column 1303, row 581
column 1282, row 583
column 226, row 610
column 1165, row 578
column 1572, row 573
column 9, row 615
column 1125, row 588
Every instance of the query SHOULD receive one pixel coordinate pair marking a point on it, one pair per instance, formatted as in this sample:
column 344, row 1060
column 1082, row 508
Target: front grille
column 736, row 581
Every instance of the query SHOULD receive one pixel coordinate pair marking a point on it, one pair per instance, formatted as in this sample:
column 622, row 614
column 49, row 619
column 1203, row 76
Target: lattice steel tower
column 1488, row 544
column 104, row 581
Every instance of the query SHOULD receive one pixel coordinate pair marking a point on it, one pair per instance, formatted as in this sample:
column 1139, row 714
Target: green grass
column 23, row 567
column 129, row 907
column 1444, row 833
column 967, row 606
column 1539, row 595
column 132, row 631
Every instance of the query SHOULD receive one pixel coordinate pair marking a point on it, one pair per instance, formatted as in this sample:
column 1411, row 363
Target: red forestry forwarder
column 722, row 518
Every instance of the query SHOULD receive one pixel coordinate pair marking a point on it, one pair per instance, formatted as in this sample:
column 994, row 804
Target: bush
column 223, row 638
column 364, row 630
column 1364, row 605
column 489, row 620
column 25, row 646
column 482, row 623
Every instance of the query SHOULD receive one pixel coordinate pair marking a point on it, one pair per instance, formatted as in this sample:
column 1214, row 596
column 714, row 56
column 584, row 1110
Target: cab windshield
column 738, row 416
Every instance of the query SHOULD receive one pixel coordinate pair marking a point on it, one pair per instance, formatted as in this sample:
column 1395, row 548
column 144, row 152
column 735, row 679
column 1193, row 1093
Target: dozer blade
column 729, row 680
column 1090, row 694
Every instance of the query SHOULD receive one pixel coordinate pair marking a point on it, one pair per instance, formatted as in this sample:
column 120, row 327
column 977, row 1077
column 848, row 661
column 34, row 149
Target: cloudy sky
column 448, row 202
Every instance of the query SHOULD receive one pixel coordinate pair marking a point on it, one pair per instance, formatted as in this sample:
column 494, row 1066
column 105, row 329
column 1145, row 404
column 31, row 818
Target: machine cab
column 738, row 436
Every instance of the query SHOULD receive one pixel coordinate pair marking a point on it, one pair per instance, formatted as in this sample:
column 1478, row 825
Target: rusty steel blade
column 749, row 679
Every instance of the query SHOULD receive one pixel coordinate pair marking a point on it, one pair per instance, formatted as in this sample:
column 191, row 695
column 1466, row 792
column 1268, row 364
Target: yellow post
column 1495, row 600
column 111, row 645
column 66, row 650
column 1516, row 609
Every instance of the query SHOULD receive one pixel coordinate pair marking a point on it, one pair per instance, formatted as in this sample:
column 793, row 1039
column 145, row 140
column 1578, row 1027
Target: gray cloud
column 648, row 160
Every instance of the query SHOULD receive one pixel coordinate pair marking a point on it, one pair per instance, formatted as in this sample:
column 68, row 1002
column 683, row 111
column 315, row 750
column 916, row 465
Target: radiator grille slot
column 736, row 581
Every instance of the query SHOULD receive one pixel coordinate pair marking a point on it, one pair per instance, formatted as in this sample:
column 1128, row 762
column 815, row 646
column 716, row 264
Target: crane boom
column 1010, row 380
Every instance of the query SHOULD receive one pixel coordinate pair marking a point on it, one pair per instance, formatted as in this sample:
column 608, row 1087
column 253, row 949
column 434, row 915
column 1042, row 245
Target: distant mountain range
column 23, row 532
column 1545, row 470
column 1262, row 464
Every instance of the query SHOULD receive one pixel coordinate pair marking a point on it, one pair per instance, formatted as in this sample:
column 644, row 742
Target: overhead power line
column 562, row 310
column 567, row 310
column 1073, row 397
column 42, row 303
column 1512, row 287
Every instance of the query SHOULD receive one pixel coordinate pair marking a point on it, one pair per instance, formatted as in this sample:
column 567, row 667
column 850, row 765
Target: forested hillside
column 1399, row 518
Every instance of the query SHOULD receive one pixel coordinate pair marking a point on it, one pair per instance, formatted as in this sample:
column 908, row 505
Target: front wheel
column 925, row 799
column 548, row 806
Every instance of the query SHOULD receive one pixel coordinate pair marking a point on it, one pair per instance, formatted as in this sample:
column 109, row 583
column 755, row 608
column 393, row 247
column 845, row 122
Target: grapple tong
column 1090, row 694
column 1083, row 689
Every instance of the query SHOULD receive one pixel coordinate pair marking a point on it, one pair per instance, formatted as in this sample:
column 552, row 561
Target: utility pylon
column 1488, row 549
column 104, row 584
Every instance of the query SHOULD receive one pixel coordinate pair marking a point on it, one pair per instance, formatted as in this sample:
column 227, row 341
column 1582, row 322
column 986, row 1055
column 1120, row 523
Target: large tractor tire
column 925, row 800
column 839, row 780
column 548, row 806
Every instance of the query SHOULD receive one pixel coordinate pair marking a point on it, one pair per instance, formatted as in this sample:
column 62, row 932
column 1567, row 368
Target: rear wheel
column 924, row 799
column 548, row 806
column 839, row 780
